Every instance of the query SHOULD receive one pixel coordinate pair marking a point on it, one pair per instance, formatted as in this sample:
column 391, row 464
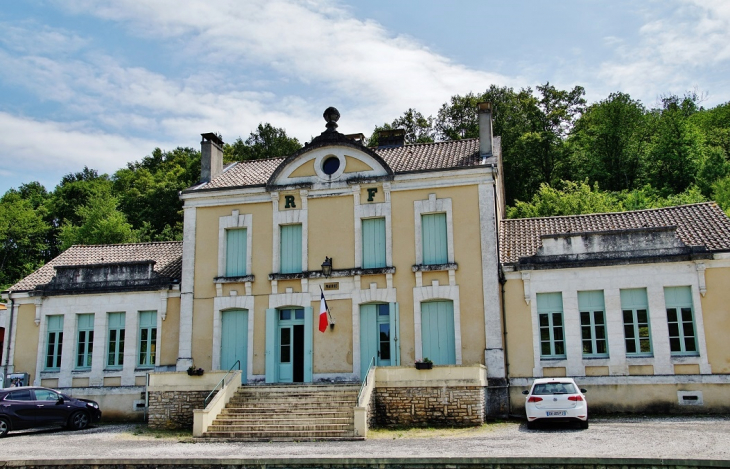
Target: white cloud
column 675, row 51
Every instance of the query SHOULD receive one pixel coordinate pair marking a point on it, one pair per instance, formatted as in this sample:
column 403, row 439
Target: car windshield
column 547, row 389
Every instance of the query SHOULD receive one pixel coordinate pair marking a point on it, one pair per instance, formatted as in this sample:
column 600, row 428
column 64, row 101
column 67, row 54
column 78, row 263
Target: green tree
column 147, row 192
column 23, row 235
column 418, row 129
column 266, row 141
column 100, row 223
column 607, row 141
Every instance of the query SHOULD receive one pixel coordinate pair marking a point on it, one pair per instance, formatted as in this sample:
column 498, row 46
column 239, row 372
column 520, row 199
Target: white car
column 556, row 400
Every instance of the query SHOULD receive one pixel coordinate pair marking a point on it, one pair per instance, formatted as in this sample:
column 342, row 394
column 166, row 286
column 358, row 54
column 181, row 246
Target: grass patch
column 436, row 432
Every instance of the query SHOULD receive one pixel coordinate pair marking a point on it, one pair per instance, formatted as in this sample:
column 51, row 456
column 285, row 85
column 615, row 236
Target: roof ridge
column 428, row 143
column 146, row 243
column 711, row 202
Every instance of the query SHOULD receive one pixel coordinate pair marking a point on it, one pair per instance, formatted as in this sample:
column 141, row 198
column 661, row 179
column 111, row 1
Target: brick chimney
column 211, row 157
column 485, row 129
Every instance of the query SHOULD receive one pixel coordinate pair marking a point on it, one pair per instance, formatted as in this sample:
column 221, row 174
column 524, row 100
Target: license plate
column 557, row 413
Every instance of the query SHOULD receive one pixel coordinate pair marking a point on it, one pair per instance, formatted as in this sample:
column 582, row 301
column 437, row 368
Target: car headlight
column 93, row 405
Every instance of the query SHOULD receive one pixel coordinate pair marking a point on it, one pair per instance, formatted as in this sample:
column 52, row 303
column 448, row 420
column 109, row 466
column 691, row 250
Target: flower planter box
column 424, row 366
column 198, row 372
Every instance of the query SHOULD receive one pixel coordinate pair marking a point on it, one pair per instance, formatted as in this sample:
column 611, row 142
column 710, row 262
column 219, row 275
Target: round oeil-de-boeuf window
column 331, row 165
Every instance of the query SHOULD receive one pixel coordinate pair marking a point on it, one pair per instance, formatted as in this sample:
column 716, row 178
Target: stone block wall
column 420, row 406
column 174, row 409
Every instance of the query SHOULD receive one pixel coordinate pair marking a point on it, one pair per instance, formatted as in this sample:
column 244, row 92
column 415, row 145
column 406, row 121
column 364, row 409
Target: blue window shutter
column 291, row 249
column 234, row 340
column 271, row 322
column 236, row 245
column 437, row 332
column 308, row 330
column 434, row 239
column 394, row 334
column 373, row 243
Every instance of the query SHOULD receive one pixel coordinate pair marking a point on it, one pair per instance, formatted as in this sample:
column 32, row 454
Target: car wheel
column 78, row 421
column 4, row 427
column 584, row 424
column 531, row 425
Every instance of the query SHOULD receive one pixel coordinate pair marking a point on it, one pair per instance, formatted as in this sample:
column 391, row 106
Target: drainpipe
column 9, row 333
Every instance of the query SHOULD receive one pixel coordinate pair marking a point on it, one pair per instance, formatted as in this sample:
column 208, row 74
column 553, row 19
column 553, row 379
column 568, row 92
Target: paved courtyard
column 675, row 438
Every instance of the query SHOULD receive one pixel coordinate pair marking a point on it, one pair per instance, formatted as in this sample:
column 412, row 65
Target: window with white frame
column 54, row 342
column 236, row 247
column 635, row 309
column 84, row 340
column 434, row 238
column 147, row 338
column 680, row 319
column 373, row 243
column 593, row 324
column 552, row 331
column 291, row 249
column 115, row 346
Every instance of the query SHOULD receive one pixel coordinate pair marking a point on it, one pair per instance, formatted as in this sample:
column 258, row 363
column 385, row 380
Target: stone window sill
column 243, row 279
column 435, row 267
column 335, row 273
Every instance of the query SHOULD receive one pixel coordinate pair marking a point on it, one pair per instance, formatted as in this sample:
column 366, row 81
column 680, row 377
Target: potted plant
column 425, row 364
column 192, row 371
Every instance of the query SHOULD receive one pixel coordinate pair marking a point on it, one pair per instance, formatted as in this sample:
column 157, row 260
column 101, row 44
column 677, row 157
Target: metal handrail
column 221, row 383
column 365, row 379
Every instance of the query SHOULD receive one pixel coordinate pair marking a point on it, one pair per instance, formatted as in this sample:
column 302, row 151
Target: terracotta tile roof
column 408, row 158
column 167, row 255
column 702, row 224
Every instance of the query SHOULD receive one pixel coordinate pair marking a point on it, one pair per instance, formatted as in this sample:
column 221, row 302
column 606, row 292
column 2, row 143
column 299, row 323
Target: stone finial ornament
column 331, row 116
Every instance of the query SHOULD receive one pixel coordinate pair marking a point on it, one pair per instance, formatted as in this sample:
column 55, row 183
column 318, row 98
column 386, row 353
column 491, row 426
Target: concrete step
column 287, row 404
column 304, row 420
column 282, row 436
column 256, row 413
column 276, row 428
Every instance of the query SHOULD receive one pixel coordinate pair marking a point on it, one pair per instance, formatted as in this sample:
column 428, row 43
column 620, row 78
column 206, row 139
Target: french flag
column 323, row 321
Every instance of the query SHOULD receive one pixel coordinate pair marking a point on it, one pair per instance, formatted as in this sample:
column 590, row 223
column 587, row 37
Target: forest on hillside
column 562, row 156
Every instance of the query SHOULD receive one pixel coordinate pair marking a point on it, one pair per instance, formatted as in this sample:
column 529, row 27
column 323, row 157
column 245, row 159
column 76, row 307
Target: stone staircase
column 288, row 412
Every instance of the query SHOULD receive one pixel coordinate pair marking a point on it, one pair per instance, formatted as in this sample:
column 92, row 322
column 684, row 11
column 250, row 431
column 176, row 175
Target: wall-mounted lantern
column 327, row 266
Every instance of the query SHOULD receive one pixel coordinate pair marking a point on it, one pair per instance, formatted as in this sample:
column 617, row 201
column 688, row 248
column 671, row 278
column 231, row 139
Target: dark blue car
column 30, row 407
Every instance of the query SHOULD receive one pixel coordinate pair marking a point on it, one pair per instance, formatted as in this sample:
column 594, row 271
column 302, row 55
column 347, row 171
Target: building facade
column 410, row 249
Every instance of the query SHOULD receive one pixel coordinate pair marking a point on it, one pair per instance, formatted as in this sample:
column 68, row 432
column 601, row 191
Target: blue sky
column 102, row 83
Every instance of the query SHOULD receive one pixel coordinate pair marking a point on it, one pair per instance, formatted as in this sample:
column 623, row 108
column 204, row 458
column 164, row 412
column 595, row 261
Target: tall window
column 550, row 317
column 434, row 238
column 635, row 308
column 236, row 252
column 373, row 243
column 54, row 343
column 115, row 349
column 593, row 323
column 680, row 318
column 84, row 340
column 291, row 249
column 147, row 338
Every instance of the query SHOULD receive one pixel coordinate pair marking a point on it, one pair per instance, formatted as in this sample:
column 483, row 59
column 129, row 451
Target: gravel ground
column 677, row 437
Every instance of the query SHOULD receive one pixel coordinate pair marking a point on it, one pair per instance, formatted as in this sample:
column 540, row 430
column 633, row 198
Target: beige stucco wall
column 332, row 349
column 203, row 333
column 26, row 340
column 519, row 330
column 467, row 246
column 331, row 232
column 716, row 317
column 170, row 333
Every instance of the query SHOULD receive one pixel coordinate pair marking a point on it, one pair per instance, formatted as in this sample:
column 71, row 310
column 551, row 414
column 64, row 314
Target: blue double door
column 234, row 340
column 289, row 345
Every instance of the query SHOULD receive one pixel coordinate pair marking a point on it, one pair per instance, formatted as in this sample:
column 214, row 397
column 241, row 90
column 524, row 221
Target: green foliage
column 266, row 141
column 576, row 198
column 418, row 129
column 147, row 192
column 23, row 233
column 100, row 223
